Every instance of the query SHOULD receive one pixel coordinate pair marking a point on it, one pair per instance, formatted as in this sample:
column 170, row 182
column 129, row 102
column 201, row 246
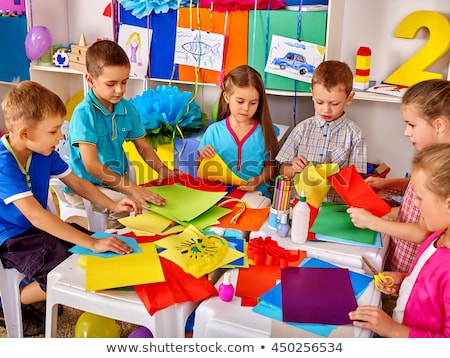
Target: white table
column 66, row 286
column 217, row 319
column 336, row 253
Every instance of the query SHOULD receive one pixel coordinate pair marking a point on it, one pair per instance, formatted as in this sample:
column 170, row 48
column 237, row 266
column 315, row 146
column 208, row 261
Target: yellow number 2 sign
column 414, row 69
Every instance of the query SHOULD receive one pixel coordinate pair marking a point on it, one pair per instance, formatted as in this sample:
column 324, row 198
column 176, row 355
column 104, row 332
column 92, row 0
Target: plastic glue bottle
column 226, row 288
column 283, row 226
column 300, row 220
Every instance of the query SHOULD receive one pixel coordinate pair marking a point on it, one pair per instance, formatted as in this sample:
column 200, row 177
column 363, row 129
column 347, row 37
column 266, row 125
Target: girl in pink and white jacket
column 423, row 305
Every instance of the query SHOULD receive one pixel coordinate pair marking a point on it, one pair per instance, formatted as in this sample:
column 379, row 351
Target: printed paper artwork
column 136, row 41
column 199, row 49
column 293, row 58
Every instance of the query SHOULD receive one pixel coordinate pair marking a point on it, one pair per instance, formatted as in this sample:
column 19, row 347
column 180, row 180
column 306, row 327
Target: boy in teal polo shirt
column 102, row 122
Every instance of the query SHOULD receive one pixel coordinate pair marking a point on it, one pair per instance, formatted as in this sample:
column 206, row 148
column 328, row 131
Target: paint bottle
column 283, row 226
column 226, row 288
column 300, row 220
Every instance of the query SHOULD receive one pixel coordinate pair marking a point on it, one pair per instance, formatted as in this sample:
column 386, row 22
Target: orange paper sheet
column 235, row 49
column 249, row 220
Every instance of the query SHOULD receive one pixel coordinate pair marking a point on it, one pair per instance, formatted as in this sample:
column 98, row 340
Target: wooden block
column 380, row 169
column 77, row 66
column 77, row 58
column 79, row 50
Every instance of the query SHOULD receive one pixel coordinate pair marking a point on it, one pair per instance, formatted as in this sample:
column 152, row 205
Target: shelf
column 63, row 70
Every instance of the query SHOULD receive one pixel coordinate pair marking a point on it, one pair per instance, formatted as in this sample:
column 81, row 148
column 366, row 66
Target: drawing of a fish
column 197, row 48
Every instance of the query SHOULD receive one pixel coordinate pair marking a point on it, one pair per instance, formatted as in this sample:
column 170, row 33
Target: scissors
column 378, row 277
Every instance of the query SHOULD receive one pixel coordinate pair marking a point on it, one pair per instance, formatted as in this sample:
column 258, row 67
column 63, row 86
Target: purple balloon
column 37, row 42
column 141, row 332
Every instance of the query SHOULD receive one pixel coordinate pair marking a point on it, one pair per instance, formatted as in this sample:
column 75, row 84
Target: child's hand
column 207, row 151
column 251, row 185
column 127, row 205
column 299, row 164
column 111, row 244
column 376, row 183
column 375, row 319
column 165, row 173
column 144, row 196
column 389, row 289
column 361, row 218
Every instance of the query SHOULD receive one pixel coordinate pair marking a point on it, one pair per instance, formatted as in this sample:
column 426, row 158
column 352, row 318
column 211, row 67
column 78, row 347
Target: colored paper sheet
column 359, row 281
column 377, row 244
column 196, row 253
column 131, row 242
column 282, row 23
column 149, row 222
column 269, row 305
column 125, row 270
column 249, row 220
column 317, row 295
column 313, row 180
column 209, row 218
column 182, row 202
column 216, row 169
column 253, row 281
column 235, row 49
column 333, row 220
column 236, row 242
column 352, row 188
column 178, row 287
column 14, row 62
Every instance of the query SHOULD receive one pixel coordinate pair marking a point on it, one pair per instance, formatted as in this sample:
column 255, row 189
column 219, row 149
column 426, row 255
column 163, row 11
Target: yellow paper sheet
column 183, row 203
column 148, row 221
column 125, row 270
column 216, row 169
column 313, row 180
column 177, row 251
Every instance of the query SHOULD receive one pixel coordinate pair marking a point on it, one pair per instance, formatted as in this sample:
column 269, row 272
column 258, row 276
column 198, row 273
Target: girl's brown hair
column 246, row 76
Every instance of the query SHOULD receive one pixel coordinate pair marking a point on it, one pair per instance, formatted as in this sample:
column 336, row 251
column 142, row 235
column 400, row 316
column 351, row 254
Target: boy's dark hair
column 105, row 53
column 29, row 103
column 331, row 74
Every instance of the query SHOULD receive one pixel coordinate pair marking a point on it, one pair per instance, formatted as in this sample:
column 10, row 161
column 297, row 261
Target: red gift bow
column 267, row 252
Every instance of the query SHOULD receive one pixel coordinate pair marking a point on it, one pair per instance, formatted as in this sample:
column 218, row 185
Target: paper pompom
column 165, row 108
column 142, row 8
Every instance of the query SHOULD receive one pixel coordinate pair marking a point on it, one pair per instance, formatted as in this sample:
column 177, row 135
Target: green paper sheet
column 183, row 203
column 332, row 220
column 282, row 23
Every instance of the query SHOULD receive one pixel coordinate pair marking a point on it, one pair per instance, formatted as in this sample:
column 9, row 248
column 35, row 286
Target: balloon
column 37, row 42
column 141, row 332
column 90, row 325
column 214, row 110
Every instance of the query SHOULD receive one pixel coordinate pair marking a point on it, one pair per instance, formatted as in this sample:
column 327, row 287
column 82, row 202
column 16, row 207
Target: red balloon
column 37, row 42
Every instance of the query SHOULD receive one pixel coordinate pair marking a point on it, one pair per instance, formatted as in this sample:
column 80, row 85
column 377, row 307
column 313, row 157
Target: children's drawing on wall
column 136, row 42
column 199, row 49
column 294, row 59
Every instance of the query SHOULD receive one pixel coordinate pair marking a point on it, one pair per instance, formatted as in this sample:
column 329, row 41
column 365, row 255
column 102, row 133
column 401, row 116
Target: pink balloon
column 37, row 42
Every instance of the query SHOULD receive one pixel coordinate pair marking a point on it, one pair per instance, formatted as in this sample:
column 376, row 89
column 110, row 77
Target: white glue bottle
column 300, row 220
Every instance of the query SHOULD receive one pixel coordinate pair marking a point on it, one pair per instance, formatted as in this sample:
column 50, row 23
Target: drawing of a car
column 295, row 61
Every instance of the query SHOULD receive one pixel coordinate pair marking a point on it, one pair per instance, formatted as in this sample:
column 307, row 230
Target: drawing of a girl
column 134, row 52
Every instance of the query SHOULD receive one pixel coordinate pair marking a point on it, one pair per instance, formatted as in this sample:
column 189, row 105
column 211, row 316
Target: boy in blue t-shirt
column 32, row 239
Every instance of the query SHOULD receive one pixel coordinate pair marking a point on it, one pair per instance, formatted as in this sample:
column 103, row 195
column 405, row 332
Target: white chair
column 97, row 220
column 9, row 291
column 10, row 280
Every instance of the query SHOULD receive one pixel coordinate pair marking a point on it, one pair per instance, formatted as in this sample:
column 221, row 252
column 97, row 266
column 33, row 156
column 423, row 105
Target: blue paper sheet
column 131, row 242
